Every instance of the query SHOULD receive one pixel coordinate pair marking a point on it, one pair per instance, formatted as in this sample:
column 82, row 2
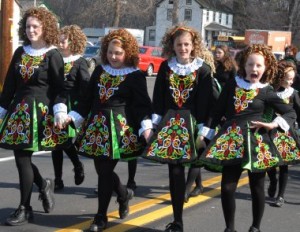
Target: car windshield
column 142, row 50
column 91, row 50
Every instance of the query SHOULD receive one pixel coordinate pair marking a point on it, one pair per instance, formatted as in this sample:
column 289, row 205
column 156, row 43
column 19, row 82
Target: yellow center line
column 150, row 203
column 166, row 211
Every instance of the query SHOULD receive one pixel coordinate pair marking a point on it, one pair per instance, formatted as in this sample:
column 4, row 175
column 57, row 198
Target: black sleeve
column 83, row 78
column 10, row 83
column 141, row 101
column 85, row 103
column 56, row 75
column 296, row 105
column 160, row 89
column 219, row 110
column 205, row 97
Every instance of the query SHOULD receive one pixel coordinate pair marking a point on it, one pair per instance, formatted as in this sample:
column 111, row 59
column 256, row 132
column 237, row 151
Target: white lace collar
column 184, row 69
column 247, row 85
column 286, row 93
column 37, row 52
column 118, row 72
column 71, row 58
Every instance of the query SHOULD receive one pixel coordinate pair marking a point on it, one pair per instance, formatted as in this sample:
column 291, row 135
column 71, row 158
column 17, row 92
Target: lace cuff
column 156, row 119
column 145, row 124
column 282, row 123
column 60, row 108
column 76, row 118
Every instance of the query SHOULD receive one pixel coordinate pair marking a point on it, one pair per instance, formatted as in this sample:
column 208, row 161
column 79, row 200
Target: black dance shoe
column 229, row 230
column 253, row 229
column 272, row 188
column 123, row 204
column 279, row 201
column 47, row 197
column 20, row 216
column 99, row 223
column 79, row 174
column 58, row 185
column 174, row 227
column 186, row 197
column 196, row 191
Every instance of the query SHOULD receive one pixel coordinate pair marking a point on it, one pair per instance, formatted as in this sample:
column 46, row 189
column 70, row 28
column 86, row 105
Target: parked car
column 92, row 56
column 150, row 59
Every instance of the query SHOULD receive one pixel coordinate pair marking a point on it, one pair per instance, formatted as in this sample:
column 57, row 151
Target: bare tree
column 175, row 11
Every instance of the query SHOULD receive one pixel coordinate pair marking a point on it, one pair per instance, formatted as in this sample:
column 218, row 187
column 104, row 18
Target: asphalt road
column 150, row 209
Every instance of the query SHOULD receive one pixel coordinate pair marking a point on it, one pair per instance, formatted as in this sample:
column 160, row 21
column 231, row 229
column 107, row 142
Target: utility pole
column 5, row 38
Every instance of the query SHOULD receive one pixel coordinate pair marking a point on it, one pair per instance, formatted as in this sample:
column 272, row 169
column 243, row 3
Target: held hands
column 147, row 134
column 266, row 125
column 61, row 120
column 200, row 143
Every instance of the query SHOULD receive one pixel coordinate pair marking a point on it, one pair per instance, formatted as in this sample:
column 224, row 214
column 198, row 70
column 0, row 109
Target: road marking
column 157, row 214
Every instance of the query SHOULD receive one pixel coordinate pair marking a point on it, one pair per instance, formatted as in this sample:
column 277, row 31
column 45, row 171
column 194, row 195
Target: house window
column 188, row 2
column 169, row 14
column 220, row 18
column 152, row 35
column 214, row 16
column 207, row 15
column 188, row 15
column 170, row 1
column 227, row 19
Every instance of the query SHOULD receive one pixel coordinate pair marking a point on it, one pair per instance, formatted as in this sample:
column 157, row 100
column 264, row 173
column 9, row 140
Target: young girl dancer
column 243, row 142
column 72, row 45
column 118, row 108
column 182, row 97
column 282, row 84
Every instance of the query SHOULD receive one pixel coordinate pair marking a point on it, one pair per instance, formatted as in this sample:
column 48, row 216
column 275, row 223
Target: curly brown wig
column 292, row 48
column 270, row 62
column 283, row 67
column 49, row 25
column 127, row 42
column 77, row 39
column 176, row 31
column 228, row 62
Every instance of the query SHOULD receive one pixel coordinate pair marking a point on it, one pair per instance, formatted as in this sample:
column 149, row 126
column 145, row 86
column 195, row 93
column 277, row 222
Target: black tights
column 108, row 181
column 28, row 174
column 57, row 159
column 194, row 175
column 177, row 189
column 230, row 178
column 283, row 178
column 132, row 165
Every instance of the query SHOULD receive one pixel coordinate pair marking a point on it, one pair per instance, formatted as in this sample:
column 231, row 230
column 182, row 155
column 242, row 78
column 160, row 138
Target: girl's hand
column 200, row 143
column 147, row 134
column 266, row 125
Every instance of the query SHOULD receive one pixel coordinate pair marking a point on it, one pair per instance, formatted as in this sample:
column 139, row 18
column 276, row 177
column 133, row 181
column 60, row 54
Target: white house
column 209, row 18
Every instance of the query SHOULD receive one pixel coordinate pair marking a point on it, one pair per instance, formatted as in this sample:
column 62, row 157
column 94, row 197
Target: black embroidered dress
column 235, row 143
column 117, row 104
column 34, row 83
column 76, row 82
column 182, row 99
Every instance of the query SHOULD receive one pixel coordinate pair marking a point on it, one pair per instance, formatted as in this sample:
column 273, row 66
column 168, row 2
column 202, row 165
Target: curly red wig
column 127, row 42
column 49, row 24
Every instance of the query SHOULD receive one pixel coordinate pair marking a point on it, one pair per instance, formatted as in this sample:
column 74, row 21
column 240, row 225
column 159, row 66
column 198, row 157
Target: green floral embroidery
column 172, row 141
column 264, row 156
column 229, row 145
column 52, row 136
column 286, row 146
column 243, row 98
column 29, row 64
column 181, row 87
column 96, row 140
column 18, row 126
column 129, row 141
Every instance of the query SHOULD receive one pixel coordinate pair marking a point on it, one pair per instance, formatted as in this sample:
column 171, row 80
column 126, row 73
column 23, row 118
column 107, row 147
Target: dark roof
column 218, row 27
column 213, row 5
